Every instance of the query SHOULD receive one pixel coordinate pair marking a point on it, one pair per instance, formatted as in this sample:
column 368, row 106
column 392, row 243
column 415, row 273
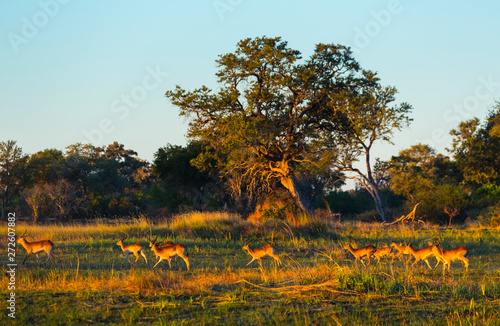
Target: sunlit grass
column 199, row 219
column 318, row 283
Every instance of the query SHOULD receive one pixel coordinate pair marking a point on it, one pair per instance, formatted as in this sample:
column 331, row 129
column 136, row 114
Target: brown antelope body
column 447, row 256
column 420, row 254
column 164, row 245
column 401, row 250
column 383, row 252
column 132, row 249
column 36, row 247
column 267, row 250
column 167, row 251
column 367, row 251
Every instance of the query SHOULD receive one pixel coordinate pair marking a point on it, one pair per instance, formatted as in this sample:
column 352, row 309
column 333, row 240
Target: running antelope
column 163, row 245
column 420, row 254
column 401, row 251
column 163, row 251
column 134, row 249
column 267, row 250
column 36, row 247
column 447, row 256
column 382, row 252
column 367, row 251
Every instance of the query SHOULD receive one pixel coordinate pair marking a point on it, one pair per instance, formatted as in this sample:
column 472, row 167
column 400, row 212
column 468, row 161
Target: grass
column 318, row 282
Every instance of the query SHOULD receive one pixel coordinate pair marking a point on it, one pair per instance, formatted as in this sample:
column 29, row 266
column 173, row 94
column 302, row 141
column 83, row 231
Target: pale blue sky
column 96, row 71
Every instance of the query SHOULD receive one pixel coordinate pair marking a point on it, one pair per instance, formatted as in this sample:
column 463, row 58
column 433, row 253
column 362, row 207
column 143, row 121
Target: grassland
column 318, row 284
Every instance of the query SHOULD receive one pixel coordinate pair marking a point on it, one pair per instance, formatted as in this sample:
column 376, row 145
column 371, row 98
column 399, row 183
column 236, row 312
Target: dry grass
column 318, row 278
column 198, row 219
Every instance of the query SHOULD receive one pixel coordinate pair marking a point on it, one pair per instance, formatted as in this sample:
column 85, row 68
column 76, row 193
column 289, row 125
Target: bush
column 491, row 217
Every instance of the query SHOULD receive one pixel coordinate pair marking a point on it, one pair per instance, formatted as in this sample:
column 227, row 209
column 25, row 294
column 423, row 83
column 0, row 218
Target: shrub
column 491, row 217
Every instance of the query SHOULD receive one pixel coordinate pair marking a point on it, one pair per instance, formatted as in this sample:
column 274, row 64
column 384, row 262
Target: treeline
column 280, row 135
column 84, row 181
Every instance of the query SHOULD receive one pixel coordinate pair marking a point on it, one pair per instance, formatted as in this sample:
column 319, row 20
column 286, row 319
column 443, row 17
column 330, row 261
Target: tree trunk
column 373, row 188
column 290, row 183
column 380, row 203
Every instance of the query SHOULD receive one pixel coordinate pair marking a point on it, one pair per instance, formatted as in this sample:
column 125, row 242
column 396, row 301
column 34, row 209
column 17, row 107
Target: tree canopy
column 276, row 117
column 476, row 149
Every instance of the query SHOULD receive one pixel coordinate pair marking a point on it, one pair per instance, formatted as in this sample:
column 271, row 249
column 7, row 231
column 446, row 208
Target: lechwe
column 401, row 250
column 447, row 256
column 383, row 252
column 420, row 254
column 163, row 245
column 36, row 247
column 167, row 252
column 367, row 251
column 134, row 249
column 258, row 253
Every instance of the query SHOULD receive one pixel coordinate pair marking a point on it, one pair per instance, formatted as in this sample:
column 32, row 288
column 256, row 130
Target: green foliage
column 82, row 182
column 488, row 191
column 476, row 147
column 490, row 216
column 349, row 203
column 183, row 182
column 12, row 172
column 276, row 118
column 431, row 179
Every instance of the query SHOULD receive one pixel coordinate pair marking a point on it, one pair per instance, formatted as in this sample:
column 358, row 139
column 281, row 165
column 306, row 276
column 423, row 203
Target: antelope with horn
column 164, row 251
column 36, row 247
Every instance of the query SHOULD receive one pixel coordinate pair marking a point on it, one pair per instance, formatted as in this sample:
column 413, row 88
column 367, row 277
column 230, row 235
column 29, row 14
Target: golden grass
column 315, row 269
column 81, row 232
column 290, row 280
column 200, row 218
column 196, row 219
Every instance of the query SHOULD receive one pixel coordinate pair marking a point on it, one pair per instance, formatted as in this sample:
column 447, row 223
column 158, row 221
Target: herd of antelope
column 169, row 249
column 442, row 256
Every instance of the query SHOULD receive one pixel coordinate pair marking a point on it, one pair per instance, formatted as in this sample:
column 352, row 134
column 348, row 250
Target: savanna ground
column 318, row 283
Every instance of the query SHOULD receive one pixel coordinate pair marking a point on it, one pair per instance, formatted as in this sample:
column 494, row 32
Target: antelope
column 367, row 251
column 267, row 250
column 382, row 252
column 134, row 249
column 164, row 245
column 36, row 247
column 420, row 254
column 401, row 251
column 164, row 251
column 447, row 256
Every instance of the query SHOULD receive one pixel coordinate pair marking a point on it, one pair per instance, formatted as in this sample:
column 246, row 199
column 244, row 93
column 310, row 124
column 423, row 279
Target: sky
column 97, row 71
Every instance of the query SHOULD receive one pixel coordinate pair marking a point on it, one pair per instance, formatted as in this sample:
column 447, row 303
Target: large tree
column 276, row 117
column 372, row 118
